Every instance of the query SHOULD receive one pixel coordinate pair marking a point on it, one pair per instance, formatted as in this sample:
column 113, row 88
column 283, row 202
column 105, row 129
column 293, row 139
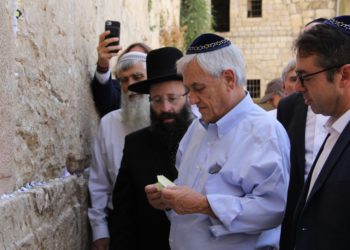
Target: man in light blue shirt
column 233, row 162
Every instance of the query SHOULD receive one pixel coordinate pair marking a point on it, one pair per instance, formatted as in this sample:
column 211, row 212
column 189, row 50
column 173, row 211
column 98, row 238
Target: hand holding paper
column 184, row 200
column 163, row 182
column 154, row 196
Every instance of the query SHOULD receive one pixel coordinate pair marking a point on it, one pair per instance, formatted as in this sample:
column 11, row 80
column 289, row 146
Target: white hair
column 215, row 62
column 288, row 68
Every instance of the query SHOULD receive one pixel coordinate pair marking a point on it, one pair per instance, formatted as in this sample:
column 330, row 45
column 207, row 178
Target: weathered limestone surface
column 55, row 55
column 49, row 217
column 7, row 95
column 47, row 116
column 344, row 7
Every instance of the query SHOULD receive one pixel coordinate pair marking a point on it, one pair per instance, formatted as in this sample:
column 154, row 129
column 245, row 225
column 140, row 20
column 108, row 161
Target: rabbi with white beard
column 109, row 143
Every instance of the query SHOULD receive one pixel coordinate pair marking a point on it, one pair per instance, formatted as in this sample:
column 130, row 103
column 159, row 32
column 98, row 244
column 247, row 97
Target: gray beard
column 136, row 113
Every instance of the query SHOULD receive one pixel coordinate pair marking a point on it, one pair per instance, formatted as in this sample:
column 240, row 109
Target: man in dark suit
column 306, row 133
column 322, row 218
column 292, row 112
column 150, row 152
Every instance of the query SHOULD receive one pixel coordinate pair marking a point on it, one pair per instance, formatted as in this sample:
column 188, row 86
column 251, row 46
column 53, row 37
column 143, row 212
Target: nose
column 192, row 98
column 298, row 87
column 166, row 106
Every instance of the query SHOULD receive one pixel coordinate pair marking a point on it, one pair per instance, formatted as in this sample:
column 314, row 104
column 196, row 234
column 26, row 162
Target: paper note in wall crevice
column 163, row 182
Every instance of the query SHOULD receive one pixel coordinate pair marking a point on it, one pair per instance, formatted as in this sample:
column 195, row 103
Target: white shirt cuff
column 103, row 77
column 100, row 232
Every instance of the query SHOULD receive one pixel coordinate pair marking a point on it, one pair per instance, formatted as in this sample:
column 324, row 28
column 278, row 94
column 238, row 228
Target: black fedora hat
column 161, row 67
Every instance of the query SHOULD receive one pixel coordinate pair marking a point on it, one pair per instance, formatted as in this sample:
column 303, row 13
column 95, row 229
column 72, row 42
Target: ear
column 345, row 76
column 230, row 78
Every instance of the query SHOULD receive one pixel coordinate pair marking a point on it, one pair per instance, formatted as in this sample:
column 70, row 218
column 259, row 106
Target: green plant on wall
column 195, row 19
column 150, row 5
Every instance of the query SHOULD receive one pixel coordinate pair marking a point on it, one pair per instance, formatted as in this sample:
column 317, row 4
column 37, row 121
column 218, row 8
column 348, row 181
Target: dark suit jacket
column 106, row 96
column 323, row 221
column 292, row 112
column 135, row 224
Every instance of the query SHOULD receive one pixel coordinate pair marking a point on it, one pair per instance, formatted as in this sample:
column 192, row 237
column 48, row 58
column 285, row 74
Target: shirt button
column 304, row 229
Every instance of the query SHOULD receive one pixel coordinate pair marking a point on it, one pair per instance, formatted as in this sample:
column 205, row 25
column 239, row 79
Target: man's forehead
column 305, row 60
column 166, row 86
column 196, row 79
column 291, row 72
column 194, row 72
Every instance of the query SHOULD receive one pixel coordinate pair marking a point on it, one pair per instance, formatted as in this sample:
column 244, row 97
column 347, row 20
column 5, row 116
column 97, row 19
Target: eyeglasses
column 302, row 77
column 171, row 98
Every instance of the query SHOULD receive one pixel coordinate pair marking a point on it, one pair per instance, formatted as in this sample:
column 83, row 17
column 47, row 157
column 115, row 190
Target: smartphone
column 114, row 28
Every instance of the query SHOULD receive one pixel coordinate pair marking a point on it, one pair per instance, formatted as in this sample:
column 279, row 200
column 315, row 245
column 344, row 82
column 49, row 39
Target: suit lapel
column 304, row 194
column 337, row 151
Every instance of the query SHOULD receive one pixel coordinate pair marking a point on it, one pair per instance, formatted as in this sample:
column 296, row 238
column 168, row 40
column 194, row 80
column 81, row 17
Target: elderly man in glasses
column 150, row 152
column 321, row 219
column 233, row 162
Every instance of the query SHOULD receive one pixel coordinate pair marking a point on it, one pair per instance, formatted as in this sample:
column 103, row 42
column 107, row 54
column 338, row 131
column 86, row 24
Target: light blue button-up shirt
column 241, row 163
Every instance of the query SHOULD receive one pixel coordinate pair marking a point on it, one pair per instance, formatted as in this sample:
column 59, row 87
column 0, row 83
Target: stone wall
column 48, row 119
column 7, row 96
column 343, row 7
column 266, row 42
column 48, row 217
column 48, row 114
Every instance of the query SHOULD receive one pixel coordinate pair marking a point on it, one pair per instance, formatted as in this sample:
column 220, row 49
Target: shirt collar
column 232, row 118
column 339, row 124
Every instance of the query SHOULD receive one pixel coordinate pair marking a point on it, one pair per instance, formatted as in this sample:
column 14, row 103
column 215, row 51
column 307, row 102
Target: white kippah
column 134, row 55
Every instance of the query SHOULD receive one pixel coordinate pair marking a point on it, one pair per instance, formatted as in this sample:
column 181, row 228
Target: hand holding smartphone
column 114, row 28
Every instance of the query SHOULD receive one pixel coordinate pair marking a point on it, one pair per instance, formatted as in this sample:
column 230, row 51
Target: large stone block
column 7, row 97
column 46, row 217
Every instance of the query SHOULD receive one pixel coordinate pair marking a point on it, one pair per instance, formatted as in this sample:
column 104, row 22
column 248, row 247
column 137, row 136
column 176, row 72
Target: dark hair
column 331, row 46
column 317, row 20
column 145, row 47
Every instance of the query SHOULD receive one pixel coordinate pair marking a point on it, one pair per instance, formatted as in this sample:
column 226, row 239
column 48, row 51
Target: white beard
column 136, row 113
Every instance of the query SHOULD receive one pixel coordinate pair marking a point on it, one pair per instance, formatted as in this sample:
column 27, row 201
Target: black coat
column 135, row 224
column 292, row 112
column 323, row 221
column 106, row 96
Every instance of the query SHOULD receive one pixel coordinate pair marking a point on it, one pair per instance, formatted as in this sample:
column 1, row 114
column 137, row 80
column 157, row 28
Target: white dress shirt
column 273, row 112
column 335, row 128
column 106, row 158
column 315, row 133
